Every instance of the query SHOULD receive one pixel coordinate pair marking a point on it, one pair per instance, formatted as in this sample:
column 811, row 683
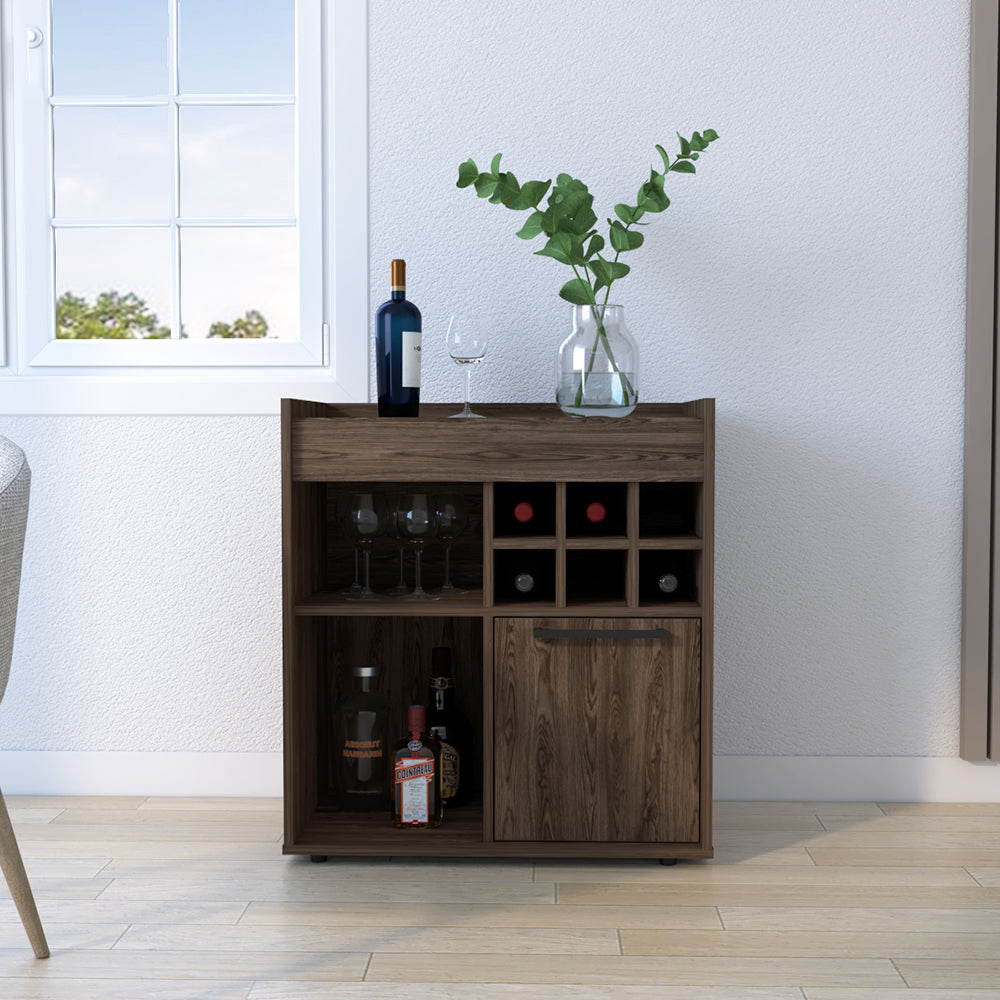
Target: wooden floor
column 191, row 898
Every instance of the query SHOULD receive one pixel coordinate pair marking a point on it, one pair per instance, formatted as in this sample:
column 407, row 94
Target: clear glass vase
column 598, row 365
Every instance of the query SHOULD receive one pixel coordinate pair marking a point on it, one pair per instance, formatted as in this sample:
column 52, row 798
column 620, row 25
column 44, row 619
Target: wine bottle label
column 411, row 359
column 449, row 771
column 414, row 776
column 442, row 683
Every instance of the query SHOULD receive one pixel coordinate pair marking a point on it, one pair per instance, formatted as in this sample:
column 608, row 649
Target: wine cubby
column 585, row 563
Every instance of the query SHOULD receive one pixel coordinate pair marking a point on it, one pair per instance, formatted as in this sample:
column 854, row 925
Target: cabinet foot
column 317, row 858
column 668, row 861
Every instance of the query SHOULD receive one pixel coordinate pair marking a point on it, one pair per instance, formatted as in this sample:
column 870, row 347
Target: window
column 172, row 180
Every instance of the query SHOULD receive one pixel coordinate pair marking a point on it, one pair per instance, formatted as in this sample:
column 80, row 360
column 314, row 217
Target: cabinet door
column 597, row 729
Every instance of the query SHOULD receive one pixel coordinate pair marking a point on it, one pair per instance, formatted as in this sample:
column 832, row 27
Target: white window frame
column 330, row 360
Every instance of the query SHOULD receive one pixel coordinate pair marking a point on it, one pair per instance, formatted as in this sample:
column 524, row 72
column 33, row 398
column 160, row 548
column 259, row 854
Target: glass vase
column 598, row 364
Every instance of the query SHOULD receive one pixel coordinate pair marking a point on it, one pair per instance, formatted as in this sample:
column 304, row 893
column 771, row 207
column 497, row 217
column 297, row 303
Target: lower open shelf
column 343, row 834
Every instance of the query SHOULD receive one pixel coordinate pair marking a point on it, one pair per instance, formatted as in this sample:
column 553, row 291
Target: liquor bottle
column 361, row 749
column 595, row 509
column 523, row 575
column 416, row 775
column 449, row 724
column 397, row 350
column 524, row 509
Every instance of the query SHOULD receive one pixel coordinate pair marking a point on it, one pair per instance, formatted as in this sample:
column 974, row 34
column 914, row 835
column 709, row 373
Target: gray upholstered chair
column 15, row 484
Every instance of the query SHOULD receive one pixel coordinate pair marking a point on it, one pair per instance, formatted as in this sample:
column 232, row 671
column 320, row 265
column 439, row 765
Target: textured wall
column 811, row 277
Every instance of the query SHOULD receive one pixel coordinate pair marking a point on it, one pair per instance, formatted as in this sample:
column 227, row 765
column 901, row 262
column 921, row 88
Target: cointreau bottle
column 416, row 775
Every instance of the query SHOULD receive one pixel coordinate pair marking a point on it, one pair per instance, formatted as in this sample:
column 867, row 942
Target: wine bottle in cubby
column 596, row 509
column 397, row 350
column 448, row 723
column 523, row 575
column 524, row 509
column 362, row 732
column 666, row 577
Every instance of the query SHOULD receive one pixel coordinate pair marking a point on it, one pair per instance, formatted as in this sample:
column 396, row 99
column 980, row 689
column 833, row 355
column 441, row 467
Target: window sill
column 213, row 393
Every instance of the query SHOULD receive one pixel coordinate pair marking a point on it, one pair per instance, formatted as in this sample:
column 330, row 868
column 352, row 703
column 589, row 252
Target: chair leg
column 17, row 880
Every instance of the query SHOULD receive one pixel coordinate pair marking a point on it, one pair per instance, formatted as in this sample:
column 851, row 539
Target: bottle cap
column 667, row 583
column 524, row 512
column 397, row 275
column 416, row 718
column 524, row 582
column 596, row 512
column 366, row 670
column 441, row 661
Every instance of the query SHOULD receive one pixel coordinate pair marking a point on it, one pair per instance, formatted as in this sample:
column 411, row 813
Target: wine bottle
column 450, row 725
column 524, row 576
column 361, row 744
column 595, row 509
column 416, row 773
column 524, row 509
column 397, row 350
column 666, row 576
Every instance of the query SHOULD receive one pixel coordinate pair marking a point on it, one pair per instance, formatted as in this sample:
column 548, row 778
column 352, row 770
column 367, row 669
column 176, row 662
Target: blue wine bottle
column 397, row 350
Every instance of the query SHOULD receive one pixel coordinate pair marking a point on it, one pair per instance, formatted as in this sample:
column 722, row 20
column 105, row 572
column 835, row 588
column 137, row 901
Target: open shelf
column 336, row 604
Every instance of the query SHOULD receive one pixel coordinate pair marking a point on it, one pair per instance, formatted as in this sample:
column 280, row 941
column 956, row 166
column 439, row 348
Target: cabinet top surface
column 517, row 441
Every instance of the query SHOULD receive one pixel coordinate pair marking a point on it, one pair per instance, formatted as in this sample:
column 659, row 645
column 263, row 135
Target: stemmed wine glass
column 392, row 530
column 466, row 348
column 417, row 522
column 453, row 515
column 342, row 513
column 365, row 521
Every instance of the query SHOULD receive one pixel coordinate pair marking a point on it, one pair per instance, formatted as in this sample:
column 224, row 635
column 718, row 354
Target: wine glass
column 466, row 348
column 393, row 501
column 417, row 522
column 453, row 515
column 365, row 521
column 342, row 513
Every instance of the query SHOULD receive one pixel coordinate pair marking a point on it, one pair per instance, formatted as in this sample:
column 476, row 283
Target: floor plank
column 182, row 898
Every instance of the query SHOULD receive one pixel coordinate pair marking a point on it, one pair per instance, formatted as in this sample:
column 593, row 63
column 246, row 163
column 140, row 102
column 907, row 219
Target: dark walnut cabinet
column 590, row 696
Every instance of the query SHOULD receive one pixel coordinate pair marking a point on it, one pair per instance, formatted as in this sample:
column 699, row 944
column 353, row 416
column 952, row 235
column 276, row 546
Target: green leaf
column 485, row 185
column 564, row 180
column 534, row 191
column 683, row 167
column 495, row 166
column 663, row 156
column 467, row 173
column 577, row 291
column 623, row 239
column 559, row 247
column 596, row 245
column 606, row 271
column 628, row 214
column 532, row 227
column 710, row 135
column 685, row 146
column 510, row 191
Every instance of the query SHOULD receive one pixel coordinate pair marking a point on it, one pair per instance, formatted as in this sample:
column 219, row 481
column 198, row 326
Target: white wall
column 810, row 277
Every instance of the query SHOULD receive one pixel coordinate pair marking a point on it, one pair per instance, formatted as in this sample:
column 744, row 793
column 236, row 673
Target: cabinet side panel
column 597, row 739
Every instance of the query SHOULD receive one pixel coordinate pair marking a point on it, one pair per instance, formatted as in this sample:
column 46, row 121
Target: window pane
column 112, row 283
column 239, row 283
column 231, row 47
column 112, row 163
column 110, row 47
column 237, row 162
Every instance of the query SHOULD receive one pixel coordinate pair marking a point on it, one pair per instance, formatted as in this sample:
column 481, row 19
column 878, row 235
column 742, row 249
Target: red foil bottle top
column 524, row 512
column 416, row 718
column 441, row 661
column 596, row 512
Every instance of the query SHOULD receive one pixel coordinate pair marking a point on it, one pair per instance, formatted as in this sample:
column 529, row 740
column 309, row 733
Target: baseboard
column 804, row 779
column 855, row 779
column 90, row 772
